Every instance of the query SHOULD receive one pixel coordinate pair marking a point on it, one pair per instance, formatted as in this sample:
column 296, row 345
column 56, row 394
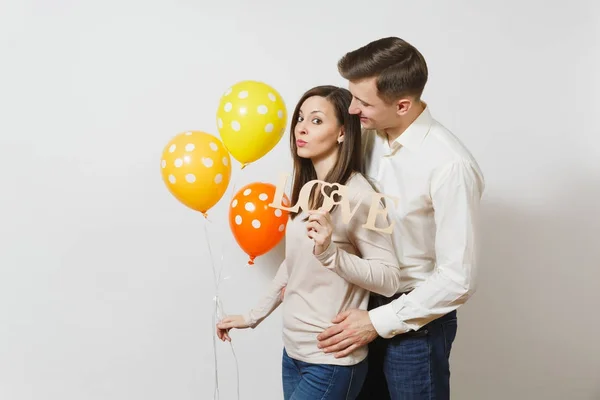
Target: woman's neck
column 324, row 165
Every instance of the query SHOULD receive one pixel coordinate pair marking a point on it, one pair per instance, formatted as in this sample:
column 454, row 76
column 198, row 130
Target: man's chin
column 367, row 125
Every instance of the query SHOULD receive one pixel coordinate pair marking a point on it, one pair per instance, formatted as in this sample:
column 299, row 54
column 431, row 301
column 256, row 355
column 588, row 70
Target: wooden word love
column 339, row 195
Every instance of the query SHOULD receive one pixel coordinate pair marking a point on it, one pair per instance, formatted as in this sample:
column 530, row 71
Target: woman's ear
column 340, row 138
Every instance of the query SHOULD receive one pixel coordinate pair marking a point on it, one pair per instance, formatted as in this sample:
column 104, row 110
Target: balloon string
column 219, row 308
column 216, row 365
column 218, row 312
column 231, row 195
column 216, row 317
column 218, row 304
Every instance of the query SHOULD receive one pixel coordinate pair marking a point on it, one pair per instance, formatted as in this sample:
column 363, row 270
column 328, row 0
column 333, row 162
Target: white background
column 105, row 287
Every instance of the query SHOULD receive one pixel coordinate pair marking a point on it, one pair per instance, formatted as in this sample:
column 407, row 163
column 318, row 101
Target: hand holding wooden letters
column 339, row 195
column 320, row 229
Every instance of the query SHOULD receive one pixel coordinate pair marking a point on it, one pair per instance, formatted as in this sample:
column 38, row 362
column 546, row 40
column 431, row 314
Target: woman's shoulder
column 359, row 182
column 359, row 189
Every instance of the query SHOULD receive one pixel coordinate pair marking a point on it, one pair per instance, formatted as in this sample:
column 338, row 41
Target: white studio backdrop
column 105, row 284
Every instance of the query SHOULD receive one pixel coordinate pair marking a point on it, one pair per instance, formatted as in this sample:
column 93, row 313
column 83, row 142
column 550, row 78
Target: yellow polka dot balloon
column 251, row 119
column 196, row 168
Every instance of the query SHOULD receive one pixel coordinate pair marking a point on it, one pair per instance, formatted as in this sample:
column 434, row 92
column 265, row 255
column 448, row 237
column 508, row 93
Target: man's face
column 373, row 111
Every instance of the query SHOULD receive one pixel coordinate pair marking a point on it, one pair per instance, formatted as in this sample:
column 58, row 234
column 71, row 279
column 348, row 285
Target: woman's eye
column 300, row 119
column 316, row 121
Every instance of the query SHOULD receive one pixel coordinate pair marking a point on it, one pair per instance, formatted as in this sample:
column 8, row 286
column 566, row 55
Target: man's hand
column 352, row 329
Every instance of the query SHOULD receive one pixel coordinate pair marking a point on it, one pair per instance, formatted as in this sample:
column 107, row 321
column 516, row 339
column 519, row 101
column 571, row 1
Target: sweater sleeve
column 270, row 300
column 375, row 267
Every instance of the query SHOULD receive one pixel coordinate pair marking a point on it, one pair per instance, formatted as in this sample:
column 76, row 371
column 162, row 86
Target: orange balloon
column 257, row 227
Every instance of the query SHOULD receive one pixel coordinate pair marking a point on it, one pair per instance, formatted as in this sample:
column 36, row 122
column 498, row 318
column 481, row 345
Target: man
column 435, row 186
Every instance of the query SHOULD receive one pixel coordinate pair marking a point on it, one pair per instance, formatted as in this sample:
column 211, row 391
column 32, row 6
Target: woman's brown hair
column 349, row 150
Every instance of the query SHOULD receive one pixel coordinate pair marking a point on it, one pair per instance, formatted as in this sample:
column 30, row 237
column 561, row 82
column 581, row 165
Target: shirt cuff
column 327, row 257
column 386, row 322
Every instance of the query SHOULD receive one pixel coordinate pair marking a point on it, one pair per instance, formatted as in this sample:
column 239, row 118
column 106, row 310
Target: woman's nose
column 301, row 129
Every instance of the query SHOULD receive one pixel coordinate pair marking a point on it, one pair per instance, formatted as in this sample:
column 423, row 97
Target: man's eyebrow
column 359, row 99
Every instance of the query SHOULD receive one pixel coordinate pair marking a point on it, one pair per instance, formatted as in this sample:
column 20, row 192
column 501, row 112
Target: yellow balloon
column 196, row 168
column 251, row 119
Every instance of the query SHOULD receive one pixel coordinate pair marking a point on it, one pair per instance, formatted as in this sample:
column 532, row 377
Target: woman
column 330, row 265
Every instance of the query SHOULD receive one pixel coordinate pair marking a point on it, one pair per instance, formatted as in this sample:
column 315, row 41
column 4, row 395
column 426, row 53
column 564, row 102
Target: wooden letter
column 278, row 197
column 302, row 197
column 305, row 194
column 374, row 211
column 344, row 202
column 329, row 201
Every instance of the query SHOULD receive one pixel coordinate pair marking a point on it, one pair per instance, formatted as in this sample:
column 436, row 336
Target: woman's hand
column 320, row 229
column 233, row 321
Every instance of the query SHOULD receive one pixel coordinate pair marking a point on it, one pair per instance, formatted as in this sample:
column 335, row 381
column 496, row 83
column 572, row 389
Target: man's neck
column 404, row 122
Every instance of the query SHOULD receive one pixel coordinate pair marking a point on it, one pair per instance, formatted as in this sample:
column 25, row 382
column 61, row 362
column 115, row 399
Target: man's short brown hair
column 399, row 67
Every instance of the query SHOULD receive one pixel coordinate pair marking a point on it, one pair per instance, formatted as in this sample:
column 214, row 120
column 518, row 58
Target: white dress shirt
column 438, row 186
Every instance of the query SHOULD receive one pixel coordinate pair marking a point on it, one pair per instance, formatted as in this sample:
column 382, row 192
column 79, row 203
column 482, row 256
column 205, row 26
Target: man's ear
column 403, row 105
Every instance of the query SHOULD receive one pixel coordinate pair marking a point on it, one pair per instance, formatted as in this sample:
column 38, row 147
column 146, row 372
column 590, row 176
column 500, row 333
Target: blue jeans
column 411, row 366
column 304, row 381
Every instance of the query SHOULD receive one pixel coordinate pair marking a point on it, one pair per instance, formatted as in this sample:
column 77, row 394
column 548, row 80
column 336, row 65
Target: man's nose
column 353, row 109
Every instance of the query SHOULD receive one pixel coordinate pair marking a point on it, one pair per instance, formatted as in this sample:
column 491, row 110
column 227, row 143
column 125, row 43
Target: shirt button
column 394, row 333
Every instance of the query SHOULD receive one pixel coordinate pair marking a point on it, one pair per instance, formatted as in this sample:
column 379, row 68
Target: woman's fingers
column 318, row 217
column 228, row 323
column 317, row 237
column 313, row 226
column 321, row 218
column 223, row 335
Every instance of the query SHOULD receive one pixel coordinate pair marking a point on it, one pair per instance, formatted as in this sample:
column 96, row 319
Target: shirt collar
column 413, row 136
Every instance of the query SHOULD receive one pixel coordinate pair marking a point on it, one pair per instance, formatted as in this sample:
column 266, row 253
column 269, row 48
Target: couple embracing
column 368, row 314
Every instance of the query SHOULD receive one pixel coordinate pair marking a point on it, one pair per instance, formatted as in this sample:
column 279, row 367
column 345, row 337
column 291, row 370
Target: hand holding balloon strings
column 217, row 315
column 196, row 169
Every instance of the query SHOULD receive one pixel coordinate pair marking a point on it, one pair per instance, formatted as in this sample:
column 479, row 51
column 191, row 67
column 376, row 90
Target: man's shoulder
column 448, row 152
column 445, row 146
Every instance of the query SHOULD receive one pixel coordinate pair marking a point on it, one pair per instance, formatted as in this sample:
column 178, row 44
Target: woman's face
column 317, row 131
